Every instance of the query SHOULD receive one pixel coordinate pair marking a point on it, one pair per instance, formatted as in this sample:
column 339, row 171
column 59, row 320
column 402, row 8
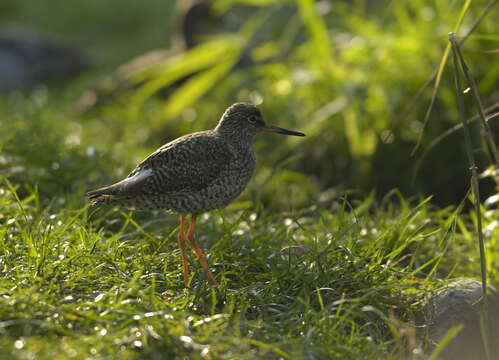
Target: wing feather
column 187, row 164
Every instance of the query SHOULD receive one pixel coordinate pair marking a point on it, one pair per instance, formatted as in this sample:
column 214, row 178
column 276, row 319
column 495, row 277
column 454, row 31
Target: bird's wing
column 189, row 163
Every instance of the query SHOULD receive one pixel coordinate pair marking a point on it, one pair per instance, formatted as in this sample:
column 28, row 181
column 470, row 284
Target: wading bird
column 195, row 173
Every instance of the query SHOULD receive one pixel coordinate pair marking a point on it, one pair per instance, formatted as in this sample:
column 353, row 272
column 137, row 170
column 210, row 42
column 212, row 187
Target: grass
column 305, row 272
column 342, row 279
column 339, row 278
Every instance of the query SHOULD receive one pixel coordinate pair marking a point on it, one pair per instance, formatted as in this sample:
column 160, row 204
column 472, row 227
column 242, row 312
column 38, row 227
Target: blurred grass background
column 111, row 32
column 355, row 76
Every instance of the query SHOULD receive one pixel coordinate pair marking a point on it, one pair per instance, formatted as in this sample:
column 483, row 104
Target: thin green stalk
column 437, row 75
column 451, row 334
column 456, row 54
column 478, row 103
column 471, row 159
column 478, row 20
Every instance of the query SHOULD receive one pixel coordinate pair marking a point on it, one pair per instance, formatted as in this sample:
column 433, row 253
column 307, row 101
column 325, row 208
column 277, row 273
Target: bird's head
column 246, row 120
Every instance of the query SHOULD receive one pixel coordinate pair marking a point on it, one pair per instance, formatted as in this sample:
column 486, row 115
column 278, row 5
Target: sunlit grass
column 338, row 279
column 304, row 273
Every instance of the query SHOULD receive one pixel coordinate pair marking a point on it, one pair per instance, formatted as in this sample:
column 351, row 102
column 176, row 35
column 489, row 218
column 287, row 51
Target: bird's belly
column 218, row 194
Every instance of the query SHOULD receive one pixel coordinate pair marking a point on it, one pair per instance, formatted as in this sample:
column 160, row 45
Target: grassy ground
column 324, row 283
column 305, row 273
column 340, row 278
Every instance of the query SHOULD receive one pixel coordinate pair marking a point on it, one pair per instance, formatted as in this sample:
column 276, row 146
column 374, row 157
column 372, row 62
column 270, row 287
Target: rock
column 461, row 303
column 28, row 59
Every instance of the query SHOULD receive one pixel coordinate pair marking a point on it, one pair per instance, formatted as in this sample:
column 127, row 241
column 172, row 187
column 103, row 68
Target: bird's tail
column 121, row 192
column 104, row 195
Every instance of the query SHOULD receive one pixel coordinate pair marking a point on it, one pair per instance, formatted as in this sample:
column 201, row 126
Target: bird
column 194, row 174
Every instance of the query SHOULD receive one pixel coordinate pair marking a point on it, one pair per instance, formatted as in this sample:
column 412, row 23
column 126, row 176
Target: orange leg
column 199, row 252
column 181, row 241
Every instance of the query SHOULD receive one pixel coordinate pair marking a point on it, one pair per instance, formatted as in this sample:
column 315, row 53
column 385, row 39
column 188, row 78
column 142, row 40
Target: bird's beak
column 276, row 129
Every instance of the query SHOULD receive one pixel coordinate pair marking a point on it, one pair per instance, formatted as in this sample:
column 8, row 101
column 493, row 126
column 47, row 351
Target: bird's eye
column 252, row 119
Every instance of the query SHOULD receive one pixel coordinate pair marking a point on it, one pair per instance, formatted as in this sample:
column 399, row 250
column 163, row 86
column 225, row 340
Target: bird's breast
column 240, row 170
column 229, row 183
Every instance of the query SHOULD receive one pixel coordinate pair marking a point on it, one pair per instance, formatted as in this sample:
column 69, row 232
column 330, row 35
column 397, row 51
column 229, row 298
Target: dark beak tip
column 278, row 130
column 293, row 133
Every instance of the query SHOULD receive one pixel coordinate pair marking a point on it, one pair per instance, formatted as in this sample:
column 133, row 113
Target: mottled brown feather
column 177, row 166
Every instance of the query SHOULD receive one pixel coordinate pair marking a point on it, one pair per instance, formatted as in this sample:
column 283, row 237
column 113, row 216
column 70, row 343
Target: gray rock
column 28, row 59
column 461, row 303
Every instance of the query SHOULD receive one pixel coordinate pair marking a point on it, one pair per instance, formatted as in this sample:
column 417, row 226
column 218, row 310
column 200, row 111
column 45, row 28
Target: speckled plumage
column 195, row 173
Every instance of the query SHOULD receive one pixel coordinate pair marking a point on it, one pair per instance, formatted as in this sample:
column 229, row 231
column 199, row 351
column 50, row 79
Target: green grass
column 306, row 272
column 339, row 279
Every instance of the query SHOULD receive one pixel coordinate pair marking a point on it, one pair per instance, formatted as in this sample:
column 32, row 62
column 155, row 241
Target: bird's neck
column 237, row 139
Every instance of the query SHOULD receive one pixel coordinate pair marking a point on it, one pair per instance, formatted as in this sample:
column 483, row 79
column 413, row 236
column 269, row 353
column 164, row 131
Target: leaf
column 201, row 57
column 362, row 139
column 319, row 37
column 197, row 86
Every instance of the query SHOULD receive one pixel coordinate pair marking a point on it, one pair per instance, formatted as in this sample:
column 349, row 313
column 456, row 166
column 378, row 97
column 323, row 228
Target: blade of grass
column 472, row 28
column 438, row 73
column 319, row 39
column 484, row 330
column 478, row 20
column 492, row 148
column 471, row 159
column 200, row 83
column 451, row 334
column 270, row 347
column 129, row 218
column 13, row 191
column 492, row 115
column 197, row 59
column 478, row 103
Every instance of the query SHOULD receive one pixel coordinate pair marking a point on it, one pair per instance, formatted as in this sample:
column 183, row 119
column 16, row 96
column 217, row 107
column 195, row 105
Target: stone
column 461, row 302
column 28, row 59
